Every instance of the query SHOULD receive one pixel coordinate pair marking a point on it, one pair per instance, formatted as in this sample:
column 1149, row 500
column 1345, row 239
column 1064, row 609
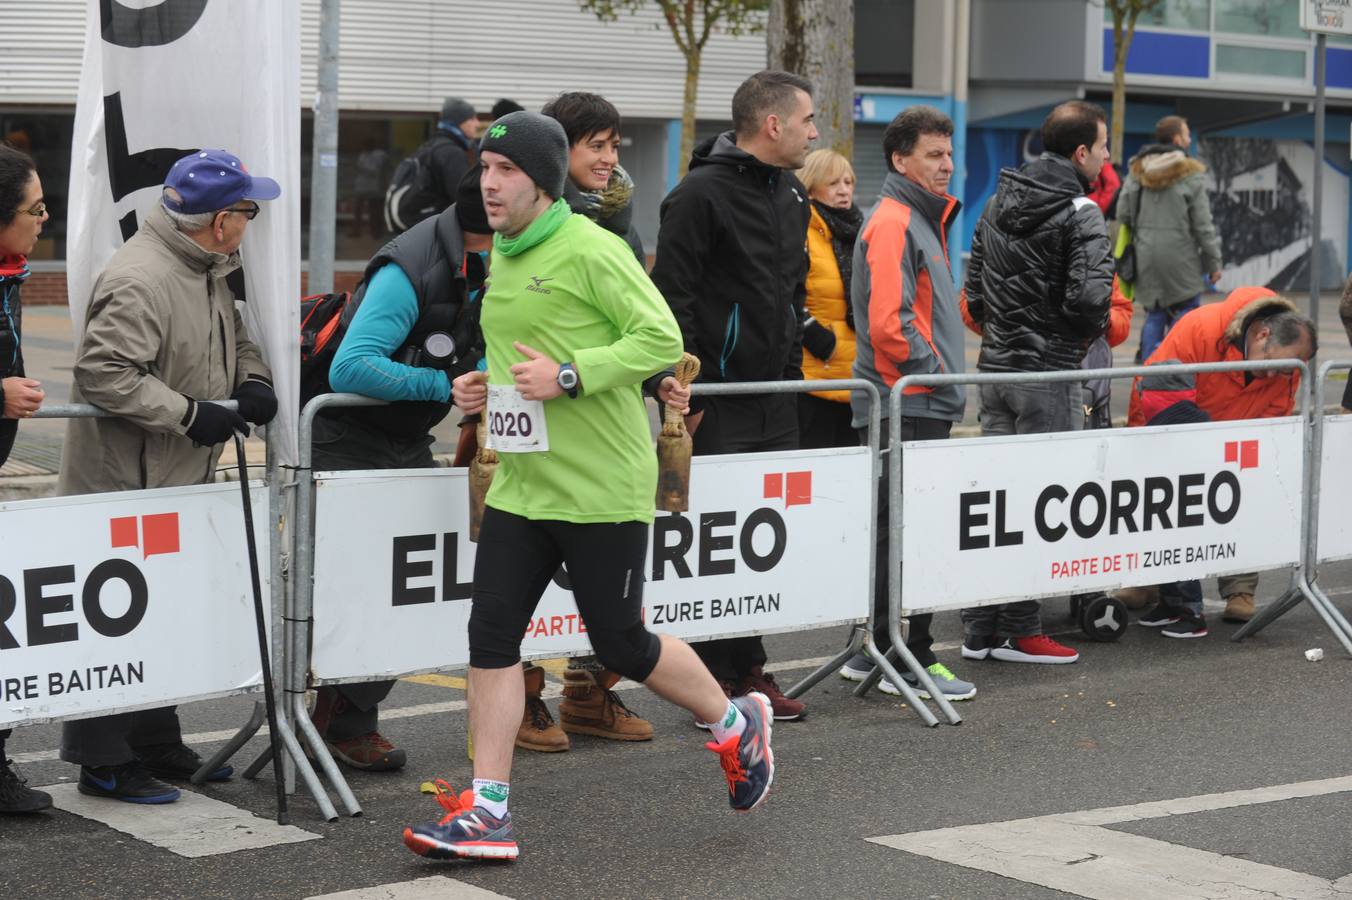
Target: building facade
column 1240, row 70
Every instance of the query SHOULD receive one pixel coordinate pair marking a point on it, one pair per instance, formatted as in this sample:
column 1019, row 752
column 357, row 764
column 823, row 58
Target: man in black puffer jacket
column 1038, row 291
column 732, row 263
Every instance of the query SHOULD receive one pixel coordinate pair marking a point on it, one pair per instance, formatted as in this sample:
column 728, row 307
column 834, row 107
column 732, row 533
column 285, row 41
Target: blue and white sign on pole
column 1326, row 16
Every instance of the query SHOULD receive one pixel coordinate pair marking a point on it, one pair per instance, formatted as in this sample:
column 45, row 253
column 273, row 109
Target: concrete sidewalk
column 49, row 353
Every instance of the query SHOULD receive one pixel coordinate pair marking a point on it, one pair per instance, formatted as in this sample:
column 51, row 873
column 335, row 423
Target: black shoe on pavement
column 129, row 782
column 978, row 646
column 1186, row 627
column 177, row 761
column 15, row 794
column 1161, row 615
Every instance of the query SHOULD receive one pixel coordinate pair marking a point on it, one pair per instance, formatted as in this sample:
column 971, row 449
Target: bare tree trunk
column 1121, row 44
column 692, row 64
column 815, row 39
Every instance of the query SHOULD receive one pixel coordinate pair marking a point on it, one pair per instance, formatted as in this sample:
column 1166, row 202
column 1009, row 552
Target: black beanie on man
column 534, row 142
column 469, row 204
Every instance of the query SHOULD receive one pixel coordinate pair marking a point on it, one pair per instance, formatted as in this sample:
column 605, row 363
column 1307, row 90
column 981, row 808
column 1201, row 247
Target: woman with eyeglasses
column 22, row 214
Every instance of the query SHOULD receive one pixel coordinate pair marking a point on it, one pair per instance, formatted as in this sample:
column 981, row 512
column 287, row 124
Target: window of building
column 1263, row 61
column 1266, row 18
column 46, row 137
column 369, row 147
column 1184, row 15
column 883, row 52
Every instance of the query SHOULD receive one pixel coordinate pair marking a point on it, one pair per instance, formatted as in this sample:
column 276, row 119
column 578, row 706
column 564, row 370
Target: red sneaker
column 785, row 708
column 1037, row 648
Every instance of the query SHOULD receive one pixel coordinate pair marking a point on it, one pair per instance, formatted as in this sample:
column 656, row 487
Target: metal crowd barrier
column 295, row 755
column 1300, row 586
column 1308, row 588
column 300, row 613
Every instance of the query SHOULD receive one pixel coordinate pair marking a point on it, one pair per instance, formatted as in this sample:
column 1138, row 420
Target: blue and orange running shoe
column 465, row 832
column 747, row 760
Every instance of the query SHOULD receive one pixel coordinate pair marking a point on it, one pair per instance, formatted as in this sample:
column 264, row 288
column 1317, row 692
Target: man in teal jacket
column 572, row 327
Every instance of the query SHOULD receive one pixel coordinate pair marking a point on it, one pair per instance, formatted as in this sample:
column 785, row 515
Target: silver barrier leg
column 1270, row 613
column 1331, row 615
column 307, row 773
column 240, row 738
column 882, row 666
column 857, row 640
column 326, row 762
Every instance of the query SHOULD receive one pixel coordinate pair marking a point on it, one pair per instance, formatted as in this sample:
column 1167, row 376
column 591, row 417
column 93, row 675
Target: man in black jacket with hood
column 1038, row 291
column 731, row 262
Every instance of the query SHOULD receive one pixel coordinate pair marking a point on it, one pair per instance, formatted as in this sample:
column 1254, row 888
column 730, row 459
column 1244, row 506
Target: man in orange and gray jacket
column 1252, row 323
column 907, row 322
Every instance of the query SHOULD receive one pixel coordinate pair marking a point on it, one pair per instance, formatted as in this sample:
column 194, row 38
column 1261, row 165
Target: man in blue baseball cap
column 162, row 337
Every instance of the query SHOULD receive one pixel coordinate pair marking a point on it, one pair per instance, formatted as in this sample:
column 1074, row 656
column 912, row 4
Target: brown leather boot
column 589, row 706
column 1238, row 608
column 538, row 729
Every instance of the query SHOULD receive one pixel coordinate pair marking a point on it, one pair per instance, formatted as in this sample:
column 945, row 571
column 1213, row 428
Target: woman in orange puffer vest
column 828, row 329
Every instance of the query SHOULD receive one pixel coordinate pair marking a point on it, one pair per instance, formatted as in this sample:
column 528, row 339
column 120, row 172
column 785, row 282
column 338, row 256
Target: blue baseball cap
column 209, row 180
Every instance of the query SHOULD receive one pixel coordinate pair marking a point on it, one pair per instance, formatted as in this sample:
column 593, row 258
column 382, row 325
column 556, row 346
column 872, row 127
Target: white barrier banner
column 772, row 542
column 112, row 602
column 990, row 520
column 1335, row 488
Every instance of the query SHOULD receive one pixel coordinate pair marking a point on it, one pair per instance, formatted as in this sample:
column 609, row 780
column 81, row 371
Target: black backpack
column 414, row 192
column 323, row 322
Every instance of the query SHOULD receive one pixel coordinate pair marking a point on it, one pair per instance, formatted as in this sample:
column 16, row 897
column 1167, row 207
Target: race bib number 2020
column 515, row 424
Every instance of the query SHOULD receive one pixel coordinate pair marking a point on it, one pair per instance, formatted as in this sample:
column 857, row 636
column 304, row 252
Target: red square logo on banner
column 1248, row 455
column 774, row 486
column 799, row 491
column 161, row 533
column 1232, row 451
column 123, row 531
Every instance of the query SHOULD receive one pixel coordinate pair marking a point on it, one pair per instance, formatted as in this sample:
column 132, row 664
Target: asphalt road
column 1147, row 719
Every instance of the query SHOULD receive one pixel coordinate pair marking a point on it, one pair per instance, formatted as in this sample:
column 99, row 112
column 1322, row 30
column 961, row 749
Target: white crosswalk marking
column 194, row 826
column 1073, row 852
column 437, row 887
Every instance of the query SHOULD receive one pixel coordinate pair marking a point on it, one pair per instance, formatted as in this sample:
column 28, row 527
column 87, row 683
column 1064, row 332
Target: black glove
column 819, row 340
column 212, row 424
column 257, row 401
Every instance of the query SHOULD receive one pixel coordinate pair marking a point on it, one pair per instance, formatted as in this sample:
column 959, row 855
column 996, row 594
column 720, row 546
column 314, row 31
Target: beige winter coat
column 161, row 326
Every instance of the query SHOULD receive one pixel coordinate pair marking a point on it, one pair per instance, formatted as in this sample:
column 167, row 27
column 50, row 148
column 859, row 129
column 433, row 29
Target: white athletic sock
column 491, row 795
column 732, row 724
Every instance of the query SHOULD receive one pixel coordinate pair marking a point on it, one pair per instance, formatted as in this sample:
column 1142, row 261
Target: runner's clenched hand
column 538, row 377
column 470, row 392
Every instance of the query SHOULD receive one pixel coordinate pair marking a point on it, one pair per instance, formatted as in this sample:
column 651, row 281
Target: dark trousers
column 918, row 638
column 339, row 444
column 742, row 424
column 824, row 423
column 115, row 740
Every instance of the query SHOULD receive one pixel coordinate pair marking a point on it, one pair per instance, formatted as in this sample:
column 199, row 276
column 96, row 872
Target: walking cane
column 260, row 617
column 674, row 448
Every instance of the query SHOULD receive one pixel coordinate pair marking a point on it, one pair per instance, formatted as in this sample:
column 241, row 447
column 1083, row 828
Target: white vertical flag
column 164, row 78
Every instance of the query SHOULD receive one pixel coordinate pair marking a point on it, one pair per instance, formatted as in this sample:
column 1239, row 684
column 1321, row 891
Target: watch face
column 567, row 379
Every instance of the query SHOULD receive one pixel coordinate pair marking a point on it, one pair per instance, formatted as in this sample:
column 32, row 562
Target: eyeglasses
column 37, row 211
column 249, row 212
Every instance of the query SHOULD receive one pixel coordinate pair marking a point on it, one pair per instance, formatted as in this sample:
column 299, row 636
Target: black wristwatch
column 567, row 379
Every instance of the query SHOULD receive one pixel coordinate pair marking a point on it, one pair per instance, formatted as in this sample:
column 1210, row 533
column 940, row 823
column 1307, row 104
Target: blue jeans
column 1158, row 322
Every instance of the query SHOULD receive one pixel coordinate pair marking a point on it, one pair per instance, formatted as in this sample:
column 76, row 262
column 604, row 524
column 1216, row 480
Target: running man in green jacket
column 572, row 327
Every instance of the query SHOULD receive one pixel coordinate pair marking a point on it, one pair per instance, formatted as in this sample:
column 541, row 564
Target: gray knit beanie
column 454, row 111
column 534, row 142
